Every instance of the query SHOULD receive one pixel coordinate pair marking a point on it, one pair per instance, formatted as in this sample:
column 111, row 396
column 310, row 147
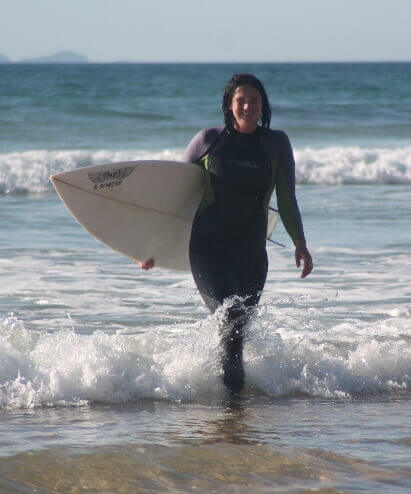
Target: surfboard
column 141, row 209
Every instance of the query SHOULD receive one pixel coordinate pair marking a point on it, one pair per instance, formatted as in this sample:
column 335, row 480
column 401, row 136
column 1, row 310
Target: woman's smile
column 246, row 107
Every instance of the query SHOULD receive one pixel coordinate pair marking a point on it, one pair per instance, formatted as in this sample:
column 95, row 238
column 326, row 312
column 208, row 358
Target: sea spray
column 293, row 354
column 67, row 368
column 282, row 357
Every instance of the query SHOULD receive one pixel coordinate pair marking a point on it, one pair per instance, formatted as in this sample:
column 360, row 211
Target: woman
column 244, row 162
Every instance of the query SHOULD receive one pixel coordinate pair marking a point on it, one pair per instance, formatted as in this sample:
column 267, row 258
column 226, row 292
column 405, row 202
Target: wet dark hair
column 244, row 80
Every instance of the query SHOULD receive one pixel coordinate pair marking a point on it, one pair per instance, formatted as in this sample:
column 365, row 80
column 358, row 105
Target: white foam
column 348, row 359
column 65, row 368
column 353, row 165
column 284, row 354
column 29, row 171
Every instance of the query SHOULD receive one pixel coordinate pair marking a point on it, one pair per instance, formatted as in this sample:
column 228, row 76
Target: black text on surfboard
column 110, row 178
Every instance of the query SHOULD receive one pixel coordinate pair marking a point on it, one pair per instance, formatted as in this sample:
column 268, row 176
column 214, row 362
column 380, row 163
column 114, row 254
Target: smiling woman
column 127, row 391
column 245, row 102
column 246, row 108
column 244, row 163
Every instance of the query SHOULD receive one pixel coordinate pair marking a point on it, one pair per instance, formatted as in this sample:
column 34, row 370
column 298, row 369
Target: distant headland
column 58, row 57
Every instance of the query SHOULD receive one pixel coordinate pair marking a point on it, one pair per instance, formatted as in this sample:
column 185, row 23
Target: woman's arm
column 302, row 254
column 288, row 207
column 201, row 143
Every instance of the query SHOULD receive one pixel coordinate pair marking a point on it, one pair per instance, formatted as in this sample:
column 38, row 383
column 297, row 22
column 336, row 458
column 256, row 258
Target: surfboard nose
column 142, row 209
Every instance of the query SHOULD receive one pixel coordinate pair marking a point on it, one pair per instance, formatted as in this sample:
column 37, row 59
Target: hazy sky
column 208, row 30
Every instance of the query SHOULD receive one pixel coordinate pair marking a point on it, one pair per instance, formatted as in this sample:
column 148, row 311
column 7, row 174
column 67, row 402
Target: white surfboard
column 142, row 209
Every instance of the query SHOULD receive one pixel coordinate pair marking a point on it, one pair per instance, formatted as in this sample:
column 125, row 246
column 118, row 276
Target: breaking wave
column 66, row 368
column 29, row 171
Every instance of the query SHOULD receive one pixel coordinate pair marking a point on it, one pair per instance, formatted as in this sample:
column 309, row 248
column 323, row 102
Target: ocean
column 110, row 376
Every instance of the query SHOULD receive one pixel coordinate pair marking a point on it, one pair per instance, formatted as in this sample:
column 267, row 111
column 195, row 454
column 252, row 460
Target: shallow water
column 104, row 366
column 110, row 377
column 255, row 443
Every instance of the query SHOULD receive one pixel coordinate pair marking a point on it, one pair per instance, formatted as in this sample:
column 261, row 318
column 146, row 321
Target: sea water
column 110, row 376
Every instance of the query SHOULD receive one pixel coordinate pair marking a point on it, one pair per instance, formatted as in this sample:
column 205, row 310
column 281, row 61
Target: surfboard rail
column 141, row 209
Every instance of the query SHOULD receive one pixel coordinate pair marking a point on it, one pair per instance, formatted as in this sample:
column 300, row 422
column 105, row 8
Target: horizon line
column 198, row 62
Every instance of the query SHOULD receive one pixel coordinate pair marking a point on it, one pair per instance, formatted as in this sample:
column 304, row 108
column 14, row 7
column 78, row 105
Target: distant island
column 58, row 57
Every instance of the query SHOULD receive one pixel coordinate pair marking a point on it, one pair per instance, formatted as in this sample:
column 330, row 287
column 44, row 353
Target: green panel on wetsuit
column 285, row 200
column 208, row 197
column 238, row 178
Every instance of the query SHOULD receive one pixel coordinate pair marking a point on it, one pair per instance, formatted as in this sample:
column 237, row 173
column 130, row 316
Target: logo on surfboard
column 110, row 178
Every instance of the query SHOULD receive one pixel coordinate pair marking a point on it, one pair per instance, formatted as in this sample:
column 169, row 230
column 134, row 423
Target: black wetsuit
column 227, row 246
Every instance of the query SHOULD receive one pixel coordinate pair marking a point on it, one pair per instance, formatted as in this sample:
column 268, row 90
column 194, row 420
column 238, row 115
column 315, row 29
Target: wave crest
column 29, row 171
column 353, row 165
column 66, row 368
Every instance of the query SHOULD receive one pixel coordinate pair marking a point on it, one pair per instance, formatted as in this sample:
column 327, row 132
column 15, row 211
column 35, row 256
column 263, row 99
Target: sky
column 208, row 30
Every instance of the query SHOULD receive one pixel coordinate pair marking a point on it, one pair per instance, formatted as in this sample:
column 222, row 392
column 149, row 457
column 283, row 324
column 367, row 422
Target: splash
column 299, row 356
column 66, row 368
column 284, row 355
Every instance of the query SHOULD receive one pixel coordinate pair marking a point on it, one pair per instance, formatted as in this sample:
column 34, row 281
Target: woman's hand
column 301, row 253
column 149, row 264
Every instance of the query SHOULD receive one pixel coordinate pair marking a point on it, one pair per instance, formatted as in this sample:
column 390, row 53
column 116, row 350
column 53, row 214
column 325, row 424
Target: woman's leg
column 251, row 276
column 219, row 275
column 215, row 277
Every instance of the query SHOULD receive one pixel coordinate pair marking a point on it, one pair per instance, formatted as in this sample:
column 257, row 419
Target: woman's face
column 246, row 107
